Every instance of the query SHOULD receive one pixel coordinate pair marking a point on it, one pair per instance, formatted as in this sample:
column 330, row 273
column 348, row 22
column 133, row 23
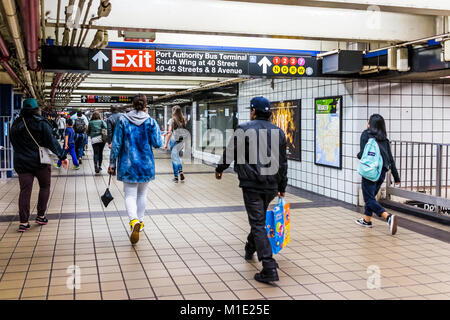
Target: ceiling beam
column 420, row 7
column 213, row 17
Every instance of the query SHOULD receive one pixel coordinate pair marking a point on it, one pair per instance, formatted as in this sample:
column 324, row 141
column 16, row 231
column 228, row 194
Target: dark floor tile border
column 105, row 174
column 81, row 215
column 410, row 225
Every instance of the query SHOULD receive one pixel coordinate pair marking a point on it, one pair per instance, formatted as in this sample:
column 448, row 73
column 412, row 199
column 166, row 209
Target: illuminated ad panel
column 286, row 115
column 328, row 132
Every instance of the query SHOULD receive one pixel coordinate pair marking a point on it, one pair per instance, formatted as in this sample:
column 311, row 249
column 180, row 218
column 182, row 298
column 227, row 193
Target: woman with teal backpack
column 376, row 130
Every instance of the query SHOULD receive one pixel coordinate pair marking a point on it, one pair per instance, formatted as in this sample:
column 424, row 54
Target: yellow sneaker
column 142, row 226
column 135, row 229
column 132, row 223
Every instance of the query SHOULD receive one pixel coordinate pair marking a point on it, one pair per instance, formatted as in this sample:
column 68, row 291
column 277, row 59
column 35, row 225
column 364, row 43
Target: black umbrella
column 107, row 197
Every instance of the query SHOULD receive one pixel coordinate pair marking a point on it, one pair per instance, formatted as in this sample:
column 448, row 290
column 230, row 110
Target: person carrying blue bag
column 375, row 160
column 260, row 179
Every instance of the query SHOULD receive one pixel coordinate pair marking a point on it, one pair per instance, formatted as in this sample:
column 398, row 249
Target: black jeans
column 98, row 153
column 370, row 190
column 256, row 205
column 61, row 134
column 26, row 187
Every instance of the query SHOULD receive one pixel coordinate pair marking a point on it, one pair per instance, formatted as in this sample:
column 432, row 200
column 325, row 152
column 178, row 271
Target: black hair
column 79, row 113
column 28, row 113
column 69, row 122
column 114, row 109
column 140, row 102
column 262, row 114
column 377, row 127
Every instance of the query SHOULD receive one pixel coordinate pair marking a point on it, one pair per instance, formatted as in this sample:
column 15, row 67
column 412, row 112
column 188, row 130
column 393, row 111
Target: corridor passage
column 192, row 246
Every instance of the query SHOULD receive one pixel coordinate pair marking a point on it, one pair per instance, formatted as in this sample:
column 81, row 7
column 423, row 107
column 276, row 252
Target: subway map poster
column 286, row 115
column 328, row 132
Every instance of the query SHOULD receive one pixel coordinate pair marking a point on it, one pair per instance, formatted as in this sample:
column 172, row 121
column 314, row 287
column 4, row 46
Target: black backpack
column 80, row 126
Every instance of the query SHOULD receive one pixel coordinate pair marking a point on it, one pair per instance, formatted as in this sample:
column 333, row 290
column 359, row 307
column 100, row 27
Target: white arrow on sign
column 100, row 57
column 264, row 62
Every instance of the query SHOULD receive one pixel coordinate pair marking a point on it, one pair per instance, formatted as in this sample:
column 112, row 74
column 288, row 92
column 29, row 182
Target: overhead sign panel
column 288, row 66
column 186, row 62
column 106, row 99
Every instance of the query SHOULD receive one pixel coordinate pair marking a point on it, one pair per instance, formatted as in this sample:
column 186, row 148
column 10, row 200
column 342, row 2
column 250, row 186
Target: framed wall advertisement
column 286, row 115
column 328, row 132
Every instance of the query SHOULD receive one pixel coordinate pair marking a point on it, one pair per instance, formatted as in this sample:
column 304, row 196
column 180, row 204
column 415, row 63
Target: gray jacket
column 111, row 122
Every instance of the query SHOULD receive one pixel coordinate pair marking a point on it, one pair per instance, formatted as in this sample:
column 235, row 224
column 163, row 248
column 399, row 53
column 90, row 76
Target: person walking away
column 95, row 132
column 61, row 127
column 135, row 135
column 260, row 183
column 175, row 141
column 29, row 131
column 376, row 128
column 80, row 127
column 69, row 146
column 112, row 122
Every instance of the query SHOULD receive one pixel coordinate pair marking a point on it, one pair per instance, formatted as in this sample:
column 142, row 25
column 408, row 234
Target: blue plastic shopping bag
column 275, row 226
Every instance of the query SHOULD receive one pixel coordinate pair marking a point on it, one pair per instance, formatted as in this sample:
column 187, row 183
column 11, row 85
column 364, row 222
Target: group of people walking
column 132, row 138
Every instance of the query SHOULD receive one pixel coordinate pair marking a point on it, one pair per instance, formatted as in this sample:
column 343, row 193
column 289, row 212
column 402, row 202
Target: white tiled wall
column 414, row 111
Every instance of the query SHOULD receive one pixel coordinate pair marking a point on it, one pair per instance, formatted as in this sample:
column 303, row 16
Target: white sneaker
column 392, row 221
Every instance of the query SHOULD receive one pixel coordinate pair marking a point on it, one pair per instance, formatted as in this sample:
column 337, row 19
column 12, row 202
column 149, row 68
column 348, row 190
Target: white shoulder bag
column 44, row 153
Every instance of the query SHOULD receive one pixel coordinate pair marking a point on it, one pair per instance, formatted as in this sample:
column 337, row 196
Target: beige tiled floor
column 199, row 255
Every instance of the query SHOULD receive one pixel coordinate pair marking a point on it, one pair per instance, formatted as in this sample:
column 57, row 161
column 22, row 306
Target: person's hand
column 65, row 164
column 218, row 175
column 110, row 145
column 66, row 147
column 112, row 171
column 281, row 194
column 165, row 147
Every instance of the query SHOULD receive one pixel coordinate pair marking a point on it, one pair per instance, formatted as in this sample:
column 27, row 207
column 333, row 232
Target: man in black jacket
column 111, row 122
column 260, row 178
column 29, row 132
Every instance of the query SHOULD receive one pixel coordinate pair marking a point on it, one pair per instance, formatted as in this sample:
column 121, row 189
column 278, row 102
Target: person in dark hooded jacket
column 260, row 179
column 28, row 132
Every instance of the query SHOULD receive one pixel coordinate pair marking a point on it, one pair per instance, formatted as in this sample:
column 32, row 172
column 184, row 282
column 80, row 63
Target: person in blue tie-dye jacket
column 135, row 135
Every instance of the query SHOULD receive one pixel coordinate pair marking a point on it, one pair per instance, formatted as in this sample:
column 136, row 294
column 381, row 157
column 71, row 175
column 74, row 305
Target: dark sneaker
column 267, row 275
column 392, row 221
column 23, row 228
column 80, row 161
column 249, row 252
column 181, row 175
column 97, row 170
column 41, row 220
column 175, row 179
column 364, row 223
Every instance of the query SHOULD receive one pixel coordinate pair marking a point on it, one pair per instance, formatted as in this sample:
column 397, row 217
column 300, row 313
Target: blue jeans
column 370, row 190
column 175, row 149
column 70, row 150
column 79, row 144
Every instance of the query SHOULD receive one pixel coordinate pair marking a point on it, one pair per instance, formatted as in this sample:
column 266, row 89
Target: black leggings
column 98, row 153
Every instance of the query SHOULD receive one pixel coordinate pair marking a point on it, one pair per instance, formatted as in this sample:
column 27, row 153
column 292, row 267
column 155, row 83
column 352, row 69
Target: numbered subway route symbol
column 276, row 60
column 276, row 69
column 284, row 61
column 301, row 61
column 293, row 70
column 293, row 61
column 284, row 69
column 301, row 70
